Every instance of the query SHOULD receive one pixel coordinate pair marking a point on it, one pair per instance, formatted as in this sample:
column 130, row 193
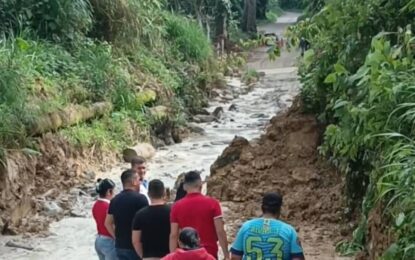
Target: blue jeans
column 105, row 247
column 126, row 254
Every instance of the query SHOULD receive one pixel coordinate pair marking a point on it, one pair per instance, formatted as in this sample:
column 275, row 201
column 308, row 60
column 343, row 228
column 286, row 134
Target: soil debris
column 34, row 188
column 284, row 159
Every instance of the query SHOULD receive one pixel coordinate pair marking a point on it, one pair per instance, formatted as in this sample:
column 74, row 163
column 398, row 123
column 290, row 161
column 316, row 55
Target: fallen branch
column 68, row 116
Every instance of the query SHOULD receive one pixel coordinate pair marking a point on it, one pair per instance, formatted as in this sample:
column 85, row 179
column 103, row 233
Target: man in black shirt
column 121, row 214
column 151, row 225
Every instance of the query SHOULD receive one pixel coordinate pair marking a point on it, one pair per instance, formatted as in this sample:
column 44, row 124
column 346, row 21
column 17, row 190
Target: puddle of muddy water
column 73, row 238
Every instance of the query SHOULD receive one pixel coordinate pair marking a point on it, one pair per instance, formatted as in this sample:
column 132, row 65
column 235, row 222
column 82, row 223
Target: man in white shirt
column 138, row 164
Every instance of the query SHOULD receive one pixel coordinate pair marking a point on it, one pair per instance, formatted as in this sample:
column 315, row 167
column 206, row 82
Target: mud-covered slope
column 284, row 159
column 36, row 188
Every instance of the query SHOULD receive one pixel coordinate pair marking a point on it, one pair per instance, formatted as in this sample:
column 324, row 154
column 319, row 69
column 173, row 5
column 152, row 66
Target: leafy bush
column 359, row 80
column 188, row 38
column 55, row 53
column 58, row 20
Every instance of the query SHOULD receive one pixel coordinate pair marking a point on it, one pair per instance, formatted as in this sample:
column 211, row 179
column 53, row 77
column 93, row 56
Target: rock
column 158, row 143
column 259, row 115
column 194, row 128
column 77, row 214
column 201, row 111
column 180, row 133
column 51, row 208
column 230, row 154
column 218, row 112
column 90, row 175
column 261, row 74
column 214, row 93
column 79, row 192
column 21, row 245
column 227, row 97
column 233, row 107
column 144, row 150
column 168, row 138
column 204, row 118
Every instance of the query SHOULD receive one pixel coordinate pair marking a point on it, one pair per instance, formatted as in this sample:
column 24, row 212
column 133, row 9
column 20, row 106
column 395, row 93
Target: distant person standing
column 180, row 193
column 121, row 214
column 190, row 249
column 267, row 237
column 200, row 212
column 138, row 164
column 304, row 45
column 104, row 243
column 151, row 225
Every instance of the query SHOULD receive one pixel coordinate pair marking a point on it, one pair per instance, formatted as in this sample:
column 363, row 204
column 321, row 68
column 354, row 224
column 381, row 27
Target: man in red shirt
column 200, row 212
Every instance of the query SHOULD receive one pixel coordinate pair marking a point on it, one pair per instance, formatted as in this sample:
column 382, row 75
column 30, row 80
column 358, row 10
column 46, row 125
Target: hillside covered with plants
column 93, row 70
column 359, row 78
column 98, row 72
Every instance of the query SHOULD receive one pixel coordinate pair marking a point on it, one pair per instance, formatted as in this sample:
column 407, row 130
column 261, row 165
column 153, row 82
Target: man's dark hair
column 271, row 203
column 137, row 161
column 189, row 238
column 128, row 176
column 192, row 177
column 156, row 189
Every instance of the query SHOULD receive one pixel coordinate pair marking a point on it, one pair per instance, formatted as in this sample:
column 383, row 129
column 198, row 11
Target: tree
column 248, row 24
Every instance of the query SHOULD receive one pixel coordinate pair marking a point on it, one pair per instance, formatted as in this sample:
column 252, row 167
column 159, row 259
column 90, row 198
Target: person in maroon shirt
column 200, row 212
column 104, row 243
column 190, row 248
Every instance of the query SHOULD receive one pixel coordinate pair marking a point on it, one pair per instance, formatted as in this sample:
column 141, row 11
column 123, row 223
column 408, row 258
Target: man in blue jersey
column 267, row 238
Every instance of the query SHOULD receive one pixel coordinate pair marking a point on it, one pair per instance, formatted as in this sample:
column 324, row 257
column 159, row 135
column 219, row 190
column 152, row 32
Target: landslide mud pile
column 284, row 159
column 38, row 188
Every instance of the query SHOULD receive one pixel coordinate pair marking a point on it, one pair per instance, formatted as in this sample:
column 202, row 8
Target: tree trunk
column 68, row 116
column 249, row 17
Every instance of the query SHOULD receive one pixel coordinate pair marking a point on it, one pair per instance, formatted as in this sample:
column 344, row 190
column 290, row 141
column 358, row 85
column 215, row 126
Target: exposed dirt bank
column 284, row 159
column 34, row 188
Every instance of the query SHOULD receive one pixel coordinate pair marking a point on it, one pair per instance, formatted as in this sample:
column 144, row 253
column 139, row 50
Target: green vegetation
column 358, row 77
column 294, row 4
column 134, row 54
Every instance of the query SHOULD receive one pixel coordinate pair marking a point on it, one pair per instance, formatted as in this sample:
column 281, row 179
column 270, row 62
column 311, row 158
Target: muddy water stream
column 73, row 237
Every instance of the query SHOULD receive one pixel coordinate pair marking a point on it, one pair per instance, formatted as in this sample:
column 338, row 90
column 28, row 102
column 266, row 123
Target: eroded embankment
column 34, row 186
column 284, row 159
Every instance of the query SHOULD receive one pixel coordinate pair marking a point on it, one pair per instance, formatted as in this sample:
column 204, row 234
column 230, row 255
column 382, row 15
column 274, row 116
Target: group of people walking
column 138, row 223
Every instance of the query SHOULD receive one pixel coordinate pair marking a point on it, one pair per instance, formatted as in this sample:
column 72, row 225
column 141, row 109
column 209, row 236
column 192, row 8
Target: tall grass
column 84, row 51
column 188, row 38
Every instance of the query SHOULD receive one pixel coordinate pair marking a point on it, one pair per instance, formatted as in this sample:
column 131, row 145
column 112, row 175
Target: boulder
column 51, row 208
column 218, row 112
column 233, row 107
column 145, row 150
column 204, row 118
column 180, row 133
column 194, row 128
column 231, row 154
